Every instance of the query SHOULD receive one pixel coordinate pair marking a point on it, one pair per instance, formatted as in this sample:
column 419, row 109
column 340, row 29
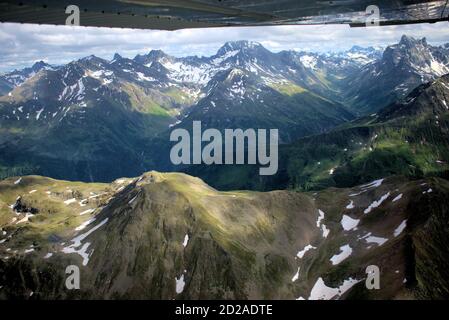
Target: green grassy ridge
column 242, row 244
column 393, row 151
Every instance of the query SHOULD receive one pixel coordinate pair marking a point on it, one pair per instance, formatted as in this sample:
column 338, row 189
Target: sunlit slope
column 171, row 236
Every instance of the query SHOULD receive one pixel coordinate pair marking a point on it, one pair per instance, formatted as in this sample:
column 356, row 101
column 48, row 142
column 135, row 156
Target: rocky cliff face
column 403, row 67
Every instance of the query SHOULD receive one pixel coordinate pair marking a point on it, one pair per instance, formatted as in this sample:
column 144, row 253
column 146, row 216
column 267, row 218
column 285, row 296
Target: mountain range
column 402, row 68
column 362, row 180
column 408, row 137
column 74, row 121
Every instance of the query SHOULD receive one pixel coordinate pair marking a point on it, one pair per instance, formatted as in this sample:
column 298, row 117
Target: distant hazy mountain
column 77, row 120
column 15, row 78
column 74, row 121
column 402, row 68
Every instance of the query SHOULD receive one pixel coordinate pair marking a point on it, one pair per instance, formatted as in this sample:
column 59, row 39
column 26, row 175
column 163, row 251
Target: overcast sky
column 21, row 45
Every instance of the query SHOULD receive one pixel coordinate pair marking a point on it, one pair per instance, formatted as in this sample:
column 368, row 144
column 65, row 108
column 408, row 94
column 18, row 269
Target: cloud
column 22, row 44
